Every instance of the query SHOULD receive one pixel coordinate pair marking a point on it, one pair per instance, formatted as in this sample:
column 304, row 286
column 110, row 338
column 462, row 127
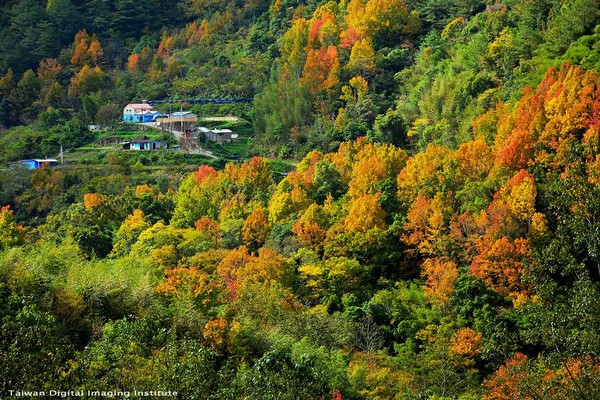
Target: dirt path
column 188, row 145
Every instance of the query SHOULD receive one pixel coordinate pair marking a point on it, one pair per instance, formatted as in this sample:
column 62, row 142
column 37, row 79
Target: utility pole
column 170, row 116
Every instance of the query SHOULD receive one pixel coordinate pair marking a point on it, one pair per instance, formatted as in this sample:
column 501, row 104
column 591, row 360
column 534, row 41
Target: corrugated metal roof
column 41, row 160
column 182, row 114
column 145, row 141
column 140, row 105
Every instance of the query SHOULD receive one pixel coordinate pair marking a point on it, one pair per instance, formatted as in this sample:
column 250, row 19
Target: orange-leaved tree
column 256, row 229
column 440, row 276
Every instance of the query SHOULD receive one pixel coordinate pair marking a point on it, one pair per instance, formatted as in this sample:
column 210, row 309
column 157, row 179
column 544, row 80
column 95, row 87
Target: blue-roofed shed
column 39, row 163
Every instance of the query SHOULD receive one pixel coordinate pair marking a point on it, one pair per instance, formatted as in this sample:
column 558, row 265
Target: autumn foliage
column 87, row 51
column 11, row 234
column 439, row 280
column 401, row 217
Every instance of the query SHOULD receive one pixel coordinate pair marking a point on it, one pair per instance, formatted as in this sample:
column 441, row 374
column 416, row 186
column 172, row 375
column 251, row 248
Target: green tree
column 24, row 98
column 31, row 344
column 11, row 234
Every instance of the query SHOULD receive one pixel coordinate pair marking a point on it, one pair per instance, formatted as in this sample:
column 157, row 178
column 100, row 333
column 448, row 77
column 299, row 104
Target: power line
column 205, row 100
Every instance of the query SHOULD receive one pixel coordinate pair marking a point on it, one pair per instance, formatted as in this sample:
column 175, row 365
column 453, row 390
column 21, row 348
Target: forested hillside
column 438, row 237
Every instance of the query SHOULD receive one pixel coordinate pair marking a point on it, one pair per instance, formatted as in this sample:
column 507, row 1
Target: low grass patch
column 158, row 158
column 238, row 150
column 242, row 127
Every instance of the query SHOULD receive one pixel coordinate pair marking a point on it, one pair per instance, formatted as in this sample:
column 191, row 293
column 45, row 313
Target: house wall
column 152, row 145
column 149, row 117
column 140, row 117
column 132, row 118
column 33, row 164
column 219, row 138
column 29, row 164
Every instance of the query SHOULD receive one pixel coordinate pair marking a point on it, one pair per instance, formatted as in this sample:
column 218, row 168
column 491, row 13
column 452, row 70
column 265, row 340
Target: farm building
column 140, row 113
column 181, row 121
column 144, row 144
column 39, row 163
column 219, row 135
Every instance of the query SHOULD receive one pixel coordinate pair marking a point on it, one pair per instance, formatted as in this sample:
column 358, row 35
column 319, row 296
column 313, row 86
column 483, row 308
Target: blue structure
column 132, row 118
column 39, row 163
column 144, row 144
column 151, row 116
